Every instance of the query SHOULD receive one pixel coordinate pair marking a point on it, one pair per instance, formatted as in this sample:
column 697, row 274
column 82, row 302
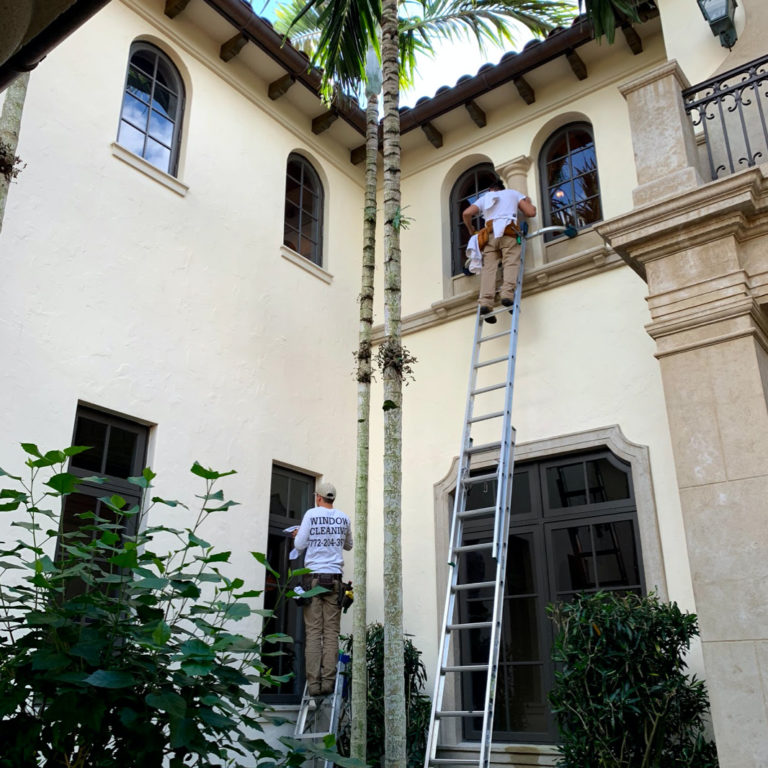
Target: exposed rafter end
column 324, row 122
column 524, row 89
column 577, row 64
column 357, row 155
column 174, row 7
column 634, row 41
column 477, row 114
column 232, row 47
column 434, row 136
column 280, row 86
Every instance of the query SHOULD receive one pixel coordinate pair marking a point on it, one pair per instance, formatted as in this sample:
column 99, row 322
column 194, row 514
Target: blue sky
column 452, row 60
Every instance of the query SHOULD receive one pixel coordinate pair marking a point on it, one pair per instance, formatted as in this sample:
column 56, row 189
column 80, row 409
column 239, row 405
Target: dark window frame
column 539, row 522
column 550, row 215
column 469, row 186
column 177, row 92
column 307, row 216
column 290, row 619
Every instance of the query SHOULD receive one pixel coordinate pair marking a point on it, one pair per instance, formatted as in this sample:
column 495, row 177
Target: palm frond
column 605, row 15
column 304, row 32
column 346, row 29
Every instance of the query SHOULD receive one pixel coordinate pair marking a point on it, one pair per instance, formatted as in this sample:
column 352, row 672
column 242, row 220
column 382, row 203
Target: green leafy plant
column 119, row 648
column 621, row 696
column 418, row 705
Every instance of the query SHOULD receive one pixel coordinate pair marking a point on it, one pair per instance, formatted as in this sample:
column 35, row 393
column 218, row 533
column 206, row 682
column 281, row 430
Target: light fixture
column 719, row 15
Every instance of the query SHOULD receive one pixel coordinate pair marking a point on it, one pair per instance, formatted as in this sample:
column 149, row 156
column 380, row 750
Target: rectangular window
column 118, row 450
column 291, row 495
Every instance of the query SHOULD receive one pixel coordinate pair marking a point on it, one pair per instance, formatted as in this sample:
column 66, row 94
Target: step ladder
column 319, row 715
column 489, row 527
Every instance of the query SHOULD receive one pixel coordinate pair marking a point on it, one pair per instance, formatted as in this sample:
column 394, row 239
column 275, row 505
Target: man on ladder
column 324, row 533
column 500, row 240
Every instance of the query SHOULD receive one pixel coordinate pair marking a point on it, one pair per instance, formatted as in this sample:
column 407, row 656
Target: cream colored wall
column 176, row 310
column 584, row 361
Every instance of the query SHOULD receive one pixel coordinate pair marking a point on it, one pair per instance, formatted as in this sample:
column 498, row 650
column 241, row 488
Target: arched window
column 303, row 228
column 153, row 105
column 469, row 186
column 570, row 185
column 573, row 530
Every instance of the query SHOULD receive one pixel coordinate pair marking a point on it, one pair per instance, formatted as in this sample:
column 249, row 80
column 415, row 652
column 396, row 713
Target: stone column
column 515, row 173
column 662, row 135
column 705, row 258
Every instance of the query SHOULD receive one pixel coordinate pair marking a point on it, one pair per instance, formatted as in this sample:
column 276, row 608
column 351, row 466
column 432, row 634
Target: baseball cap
column 326, row 490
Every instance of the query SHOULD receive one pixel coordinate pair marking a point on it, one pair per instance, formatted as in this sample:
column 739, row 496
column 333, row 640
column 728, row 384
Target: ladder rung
column 475, row 479
column 319, row 735
column 460, row 713
column 486, row 416
column 466, row 668
column 481, row 512
column 502, row 359
column 452, row 761
column 474, row 547
column 494, row 336
column 492, row 388
column 473, row 625
column 484, row 447
column 473, row 585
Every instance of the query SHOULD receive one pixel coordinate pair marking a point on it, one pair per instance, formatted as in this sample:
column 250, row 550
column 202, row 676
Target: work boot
column 507, row 302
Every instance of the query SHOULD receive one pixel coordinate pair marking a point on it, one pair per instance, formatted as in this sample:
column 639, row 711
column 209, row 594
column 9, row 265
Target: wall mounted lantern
column 719, row 16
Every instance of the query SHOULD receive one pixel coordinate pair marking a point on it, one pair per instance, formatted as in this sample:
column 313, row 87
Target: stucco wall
column 179, row 311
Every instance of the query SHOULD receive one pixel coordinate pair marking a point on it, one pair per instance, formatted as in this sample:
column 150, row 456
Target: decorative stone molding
column 154, row 173
column 577, row 266
column 666, row 155
column 515, row 173
column 300, row 261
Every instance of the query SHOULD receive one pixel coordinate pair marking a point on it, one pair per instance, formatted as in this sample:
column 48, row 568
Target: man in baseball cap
column 324, row 534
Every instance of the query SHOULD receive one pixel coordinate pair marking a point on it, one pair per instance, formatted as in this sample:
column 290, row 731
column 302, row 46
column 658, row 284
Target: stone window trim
column 611, row 438
column 141, row 165
column 308, row 266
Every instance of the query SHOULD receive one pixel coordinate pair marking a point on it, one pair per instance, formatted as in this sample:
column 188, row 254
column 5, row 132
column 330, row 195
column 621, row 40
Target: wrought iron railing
column 728, row 113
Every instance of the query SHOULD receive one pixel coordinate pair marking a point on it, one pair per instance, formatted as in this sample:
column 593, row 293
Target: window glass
column 302, row 228
column 569, row 176
column 94, row 434
column 152, row 134
column 573, row 529
column 467, row 189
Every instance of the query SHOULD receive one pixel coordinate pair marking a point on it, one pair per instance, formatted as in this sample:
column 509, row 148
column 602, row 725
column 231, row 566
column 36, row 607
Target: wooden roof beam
column 280, row 86
column 174, row 7
column 476, row 113
column 524, row 89
column 434, row 136
column 577, row 64
column 634, row 40
column 232, row 47
column 323, row 122
column 357, row 155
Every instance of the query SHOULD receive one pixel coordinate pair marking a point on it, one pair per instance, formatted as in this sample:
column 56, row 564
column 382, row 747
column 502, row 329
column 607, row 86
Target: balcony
column 728, row 115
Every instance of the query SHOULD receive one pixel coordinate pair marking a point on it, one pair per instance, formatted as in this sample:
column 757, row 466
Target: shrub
column 417, row 705
column 621, row 697
column 118, row 649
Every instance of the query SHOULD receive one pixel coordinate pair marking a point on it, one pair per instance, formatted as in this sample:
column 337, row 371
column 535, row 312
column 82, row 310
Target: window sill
column 140, row 164
column 300, row 261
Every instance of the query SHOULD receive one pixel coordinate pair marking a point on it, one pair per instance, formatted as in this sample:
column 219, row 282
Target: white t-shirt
column 324, row 534
column 500, row 205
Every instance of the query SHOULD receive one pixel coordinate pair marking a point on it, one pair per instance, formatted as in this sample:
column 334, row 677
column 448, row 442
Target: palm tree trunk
column 359, row 636
column 392, row 360
column 10, row 123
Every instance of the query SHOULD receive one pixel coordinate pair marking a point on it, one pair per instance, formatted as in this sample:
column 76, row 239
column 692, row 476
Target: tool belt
column 326, row 579
column 511, row 230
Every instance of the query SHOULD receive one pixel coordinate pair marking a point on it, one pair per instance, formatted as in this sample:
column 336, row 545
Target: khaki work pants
column 507, row 250
column 322, row 622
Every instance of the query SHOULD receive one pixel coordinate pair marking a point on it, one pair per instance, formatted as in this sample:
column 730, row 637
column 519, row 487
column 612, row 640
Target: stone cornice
column 714, row 210
column 567, row 270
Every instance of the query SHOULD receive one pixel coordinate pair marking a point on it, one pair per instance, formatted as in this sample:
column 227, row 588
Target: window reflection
column 152, row 133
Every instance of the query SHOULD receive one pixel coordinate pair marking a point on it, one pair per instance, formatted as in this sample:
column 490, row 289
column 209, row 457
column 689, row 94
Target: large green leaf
column 168, row 702
column 107, row 678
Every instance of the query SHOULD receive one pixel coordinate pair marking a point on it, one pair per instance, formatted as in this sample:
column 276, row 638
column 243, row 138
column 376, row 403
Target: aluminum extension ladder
column 319, row 715
column 490, row 539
